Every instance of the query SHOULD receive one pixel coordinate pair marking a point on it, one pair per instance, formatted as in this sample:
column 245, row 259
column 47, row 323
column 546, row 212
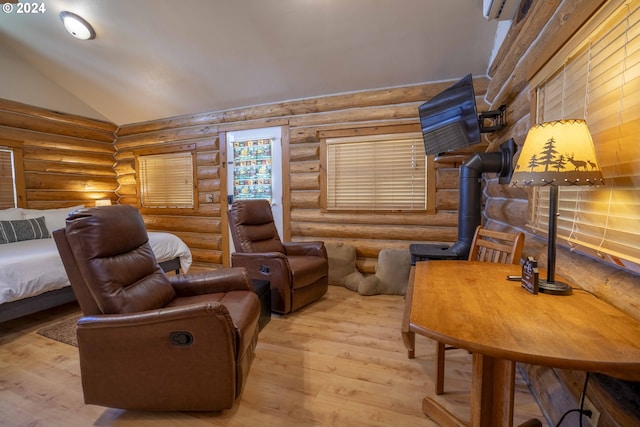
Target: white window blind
column 7, row 179
column 601, row 83
column 166, row 180
column 372, row 173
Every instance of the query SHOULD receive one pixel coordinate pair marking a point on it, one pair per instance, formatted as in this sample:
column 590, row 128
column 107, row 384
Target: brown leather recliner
column 148, row 341
column 298, row 271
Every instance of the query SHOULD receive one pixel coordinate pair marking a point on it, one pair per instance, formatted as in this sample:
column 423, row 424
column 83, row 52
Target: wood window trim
column 167, row 149
column 18, row 158
column 375, row 131
column 369, row 131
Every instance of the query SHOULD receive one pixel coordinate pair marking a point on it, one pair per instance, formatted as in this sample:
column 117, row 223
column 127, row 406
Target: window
column 375, row 173
column 599, row 82
column 166, row 180
column 12, row 188
column 8, row 196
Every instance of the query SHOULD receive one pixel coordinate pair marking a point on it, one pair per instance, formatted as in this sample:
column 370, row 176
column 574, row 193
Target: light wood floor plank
column 337, row 362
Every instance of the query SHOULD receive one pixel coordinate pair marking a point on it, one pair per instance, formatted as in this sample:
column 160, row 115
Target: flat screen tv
column 449, row 120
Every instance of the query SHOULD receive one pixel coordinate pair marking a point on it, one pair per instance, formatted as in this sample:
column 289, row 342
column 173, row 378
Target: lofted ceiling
column 155, row 59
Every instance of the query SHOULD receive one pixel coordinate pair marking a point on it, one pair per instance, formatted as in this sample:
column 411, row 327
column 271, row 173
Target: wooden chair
column 496, row 246
column 487, row 246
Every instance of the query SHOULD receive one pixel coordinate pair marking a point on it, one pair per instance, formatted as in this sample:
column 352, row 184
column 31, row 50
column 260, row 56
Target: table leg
column 492, row 394
column 492, row 391
column 408, row 336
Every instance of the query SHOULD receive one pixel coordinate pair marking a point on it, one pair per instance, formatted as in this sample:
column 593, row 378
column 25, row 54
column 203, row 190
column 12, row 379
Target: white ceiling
column 154, row 59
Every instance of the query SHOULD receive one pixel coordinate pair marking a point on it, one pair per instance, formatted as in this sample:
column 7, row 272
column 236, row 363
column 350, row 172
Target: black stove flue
column 470, row 206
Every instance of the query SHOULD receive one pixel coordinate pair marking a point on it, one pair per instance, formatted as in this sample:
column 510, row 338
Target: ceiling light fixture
column 77, row 26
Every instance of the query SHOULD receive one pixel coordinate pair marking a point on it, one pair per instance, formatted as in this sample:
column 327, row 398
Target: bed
column 32, row 277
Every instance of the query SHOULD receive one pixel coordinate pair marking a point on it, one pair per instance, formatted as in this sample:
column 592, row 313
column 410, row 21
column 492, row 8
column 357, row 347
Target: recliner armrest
column 305, row 249
column 258, row 255
column 164, row 315
column 272, row 266
column 222, row 280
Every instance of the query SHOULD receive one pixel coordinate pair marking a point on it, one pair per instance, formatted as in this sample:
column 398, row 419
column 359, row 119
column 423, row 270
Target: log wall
column 529, row 44
column 200, row 229
column 305, row 121
column 68, row 160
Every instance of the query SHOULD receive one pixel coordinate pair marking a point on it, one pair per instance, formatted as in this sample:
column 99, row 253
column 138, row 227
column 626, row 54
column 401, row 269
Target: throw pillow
column 54, row 218
column 23, row 229
column 392, row 274
column 10, row 214
column 342, row 265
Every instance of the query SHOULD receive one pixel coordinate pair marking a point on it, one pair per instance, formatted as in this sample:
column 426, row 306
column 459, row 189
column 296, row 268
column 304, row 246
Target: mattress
column 32, row 267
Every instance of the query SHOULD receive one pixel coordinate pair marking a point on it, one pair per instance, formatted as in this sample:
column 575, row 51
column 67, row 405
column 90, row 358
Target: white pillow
column 54, row 218
column 11, row 214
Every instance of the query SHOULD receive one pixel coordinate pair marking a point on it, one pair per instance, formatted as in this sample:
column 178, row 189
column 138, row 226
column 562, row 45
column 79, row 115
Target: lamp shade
column 557, row 153
column 103, row 202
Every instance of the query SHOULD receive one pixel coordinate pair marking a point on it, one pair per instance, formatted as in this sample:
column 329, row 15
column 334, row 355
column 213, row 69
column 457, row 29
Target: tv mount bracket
column 497, row 120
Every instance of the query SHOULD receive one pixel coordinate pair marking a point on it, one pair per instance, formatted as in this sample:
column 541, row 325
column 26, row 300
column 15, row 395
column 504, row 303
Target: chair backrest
column 111, row 266
column 496, row 246
column 253, row 228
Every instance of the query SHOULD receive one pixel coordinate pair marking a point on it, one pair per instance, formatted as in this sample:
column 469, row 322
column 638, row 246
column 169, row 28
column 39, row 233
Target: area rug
column 63, row 331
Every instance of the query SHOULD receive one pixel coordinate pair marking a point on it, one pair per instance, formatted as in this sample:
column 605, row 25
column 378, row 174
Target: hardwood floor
column 337, row 362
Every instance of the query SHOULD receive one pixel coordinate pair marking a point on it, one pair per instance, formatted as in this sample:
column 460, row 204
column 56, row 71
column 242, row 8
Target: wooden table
column 471, row 305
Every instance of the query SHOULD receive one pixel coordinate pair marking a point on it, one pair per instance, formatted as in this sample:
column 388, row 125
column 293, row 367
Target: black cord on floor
column 581, row 410
column 567, row 413
column 584, row 395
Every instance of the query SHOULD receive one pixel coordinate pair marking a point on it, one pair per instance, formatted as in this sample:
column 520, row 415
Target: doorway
column 254, row 159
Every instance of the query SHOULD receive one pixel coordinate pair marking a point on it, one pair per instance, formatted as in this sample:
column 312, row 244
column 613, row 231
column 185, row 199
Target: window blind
column 601, row 83
column 7, row 180
column 166, row 180
column 380, row 172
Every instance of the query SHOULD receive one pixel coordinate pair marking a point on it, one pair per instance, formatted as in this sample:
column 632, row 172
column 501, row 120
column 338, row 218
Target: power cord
column 581, row 410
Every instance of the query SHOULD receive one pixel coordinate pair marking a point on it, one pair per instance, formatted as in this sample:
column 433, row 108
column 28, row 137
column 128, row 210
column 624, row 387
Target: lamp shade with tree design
column 557, row 153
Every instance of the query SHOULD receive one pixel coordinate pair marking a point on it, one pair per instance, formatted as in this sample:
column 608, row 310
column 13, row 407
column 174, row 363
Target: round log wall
column 67, row 160
column 529, row 44
column 305, row 121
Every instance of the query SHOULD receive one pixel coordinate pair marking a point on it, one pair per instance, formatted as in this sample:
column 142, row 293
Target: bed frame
column 23, row 307
column 171, row 265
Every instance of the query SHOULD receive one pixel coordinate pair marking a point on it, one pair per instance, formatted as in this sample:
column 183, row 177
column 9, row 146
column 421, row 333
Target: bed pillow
column 54, row 218
column 10, row 214
column 23, row 229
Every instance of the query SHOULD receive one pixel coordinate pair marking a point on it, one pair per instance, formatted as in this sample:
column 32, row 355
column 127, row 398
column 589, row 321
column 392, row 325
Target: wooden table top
column 472, row 305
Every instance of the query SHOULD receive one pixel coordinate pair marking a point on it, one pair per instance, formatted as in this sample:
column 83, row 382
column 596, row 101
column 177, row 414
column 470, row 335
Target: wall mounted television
column 449, row 120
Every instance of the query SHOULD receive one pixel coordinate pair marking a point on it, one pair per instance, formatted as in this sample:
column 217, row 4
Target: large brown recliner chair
column 148, row 341
column 298, row 271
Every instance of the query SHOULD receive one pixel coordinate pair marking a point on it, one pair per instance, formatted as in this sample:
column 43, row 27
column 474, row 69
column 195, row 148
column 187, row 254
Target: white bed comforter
column 32, row 267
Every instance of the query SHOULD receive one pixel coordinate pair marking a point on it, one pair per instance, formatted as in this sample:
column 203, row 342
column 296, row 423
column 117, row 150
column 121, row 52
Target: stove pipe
column 470, row 209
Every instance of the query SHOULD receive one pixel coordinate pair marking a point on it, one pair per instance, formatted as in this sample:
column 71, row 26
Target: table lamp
column 556, row 153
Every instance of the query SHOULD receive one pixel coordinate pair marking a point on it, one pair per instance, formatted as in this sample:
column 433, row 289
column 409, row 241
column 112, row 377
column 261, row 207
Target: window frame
column 16, row 147
column 167, row 150
column 377, row 134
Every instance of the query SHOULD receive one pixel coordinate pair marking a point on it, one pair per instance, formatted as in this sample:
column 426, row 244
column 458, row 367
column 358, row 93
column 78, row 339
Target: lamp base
column 554, row 288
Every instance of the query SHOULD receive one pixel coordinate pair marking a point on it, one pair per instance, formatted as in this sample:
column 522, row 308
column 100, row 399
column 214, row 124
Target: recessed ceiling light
column 77, row 26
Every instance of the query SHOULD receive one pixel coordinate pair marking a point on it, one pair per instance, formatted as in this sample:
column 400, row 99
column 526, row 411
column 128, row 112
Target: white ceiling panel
column 156, row 58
